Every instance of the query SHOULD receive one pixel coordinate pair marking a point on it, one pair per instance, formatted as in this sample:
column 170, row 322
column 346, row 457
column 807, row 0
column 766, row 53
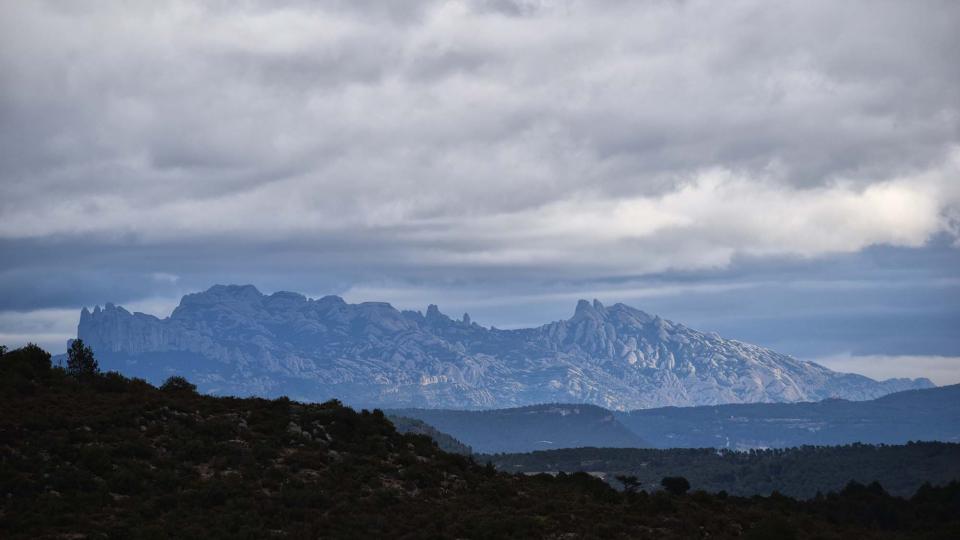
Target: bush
column 675, row 485
column 178, row 384
column 630, row 483
column 30, row 362
column 111, row 381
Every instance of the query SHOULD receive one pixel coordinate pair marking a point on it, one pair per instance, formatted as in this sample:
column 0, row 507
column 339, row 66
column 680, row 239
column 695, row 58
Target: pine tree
column 675, row 485
column 630, row 483
column 80, row 361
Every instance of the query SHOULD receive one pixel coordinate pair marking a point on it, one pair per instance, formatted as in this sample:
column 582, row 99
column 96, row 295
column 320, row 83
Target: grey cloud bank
column 476, row 151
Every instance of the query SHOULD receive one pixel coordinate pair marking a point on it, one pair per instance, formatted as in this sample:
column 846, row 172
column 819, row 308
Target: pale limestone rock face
column 235, row 340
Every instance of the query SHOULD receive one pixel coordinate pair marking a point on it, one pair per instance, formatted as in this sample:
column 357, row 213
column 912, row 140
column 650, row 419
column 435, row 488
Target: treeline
column 90, row 455
column 798, row 472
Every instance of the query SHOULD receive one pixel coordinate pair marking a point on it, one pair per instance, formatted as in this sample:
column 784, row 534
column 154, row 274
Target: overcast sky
column 785, row 173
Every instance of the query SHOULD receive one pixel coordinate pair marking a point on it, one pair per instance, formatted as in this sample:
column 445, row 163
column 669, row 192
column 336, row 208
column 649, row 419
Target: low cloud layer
column 486, row 133
column 941, row 370
column 491, row 148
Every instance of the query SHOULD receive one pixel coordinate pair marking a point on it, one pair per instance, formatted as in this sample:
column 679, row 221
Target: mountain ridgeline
column 796, row 472
column 234, row 340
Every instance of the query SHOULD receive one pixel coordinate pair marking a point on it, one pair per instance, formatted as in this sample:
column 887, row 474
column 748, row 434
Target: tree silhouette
column 80, row 361
column 630, row 483
column 177, row 383
column 675, row 485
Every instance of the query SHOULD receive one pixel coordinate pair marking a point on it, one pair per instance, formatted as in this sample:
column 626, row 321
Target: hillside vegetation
column 89, row 455
column 797, row 472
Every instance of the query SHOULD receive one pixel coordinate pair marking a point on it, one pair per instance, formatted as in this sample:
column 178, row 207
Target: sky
column 782, row 173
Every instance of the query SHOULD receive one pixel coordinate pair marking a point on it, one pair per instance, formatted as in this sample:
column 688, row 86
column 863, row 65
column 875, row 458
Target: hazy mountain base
column 932, row 415
column 115, row 458
column 233, row 340
column 418, row 427
column 536, row 427
column 796, row 472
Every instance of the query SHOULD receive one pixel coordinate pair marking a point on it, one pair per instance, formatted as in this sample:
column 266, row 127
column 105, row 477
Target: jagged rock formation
column 235, row 340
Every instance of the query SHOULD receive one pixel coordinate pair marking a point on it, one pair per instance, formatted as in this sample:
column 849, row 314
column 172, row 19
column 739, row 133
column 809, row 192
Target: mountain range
column 235, row 340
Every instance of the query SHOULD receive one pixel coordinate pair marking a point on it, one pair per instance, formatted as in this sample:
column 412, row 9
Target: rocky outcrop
column 235, row 340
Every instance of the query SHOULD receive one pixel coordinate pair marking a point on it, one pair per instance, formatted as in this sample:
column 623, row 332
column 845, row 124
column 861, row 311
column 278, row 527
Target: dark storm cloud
column 524, row 150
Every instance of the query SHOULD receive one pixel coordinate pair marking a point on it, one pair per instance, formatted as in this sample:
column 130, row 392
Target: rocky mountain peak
column 224, row 294
column 588, row 310
column 233, row 339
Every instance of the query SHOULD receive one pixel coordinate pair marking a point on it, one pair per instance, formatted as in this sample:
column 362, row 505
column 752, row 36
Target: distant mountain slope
column 530, row 428
column 235, row 340
column 914, row 415
column 930, row 414
column 446, row 442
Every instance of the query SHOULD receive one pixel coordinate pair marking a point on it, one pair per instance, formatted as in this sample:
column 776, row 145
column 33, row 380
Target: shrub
column 178, row 384
column 675, row 485
column 111, row 381
column 630, row 483
column 29, row 361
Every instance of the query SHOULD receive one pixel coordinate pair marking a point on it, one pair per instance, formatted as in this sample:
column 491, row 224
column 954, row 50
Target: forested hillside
column 90, row 455
column 797, row 472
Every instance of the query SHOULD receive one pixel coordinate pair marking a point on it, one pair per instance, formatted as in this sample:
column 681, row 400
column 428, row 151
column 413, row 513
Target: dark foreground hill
column 102, row 456
column 797, row 472
column 524, row 429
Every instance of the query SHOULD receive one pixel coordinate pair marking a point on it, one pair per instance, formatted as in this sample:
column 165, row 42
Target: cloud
column 942, row 370
column 49, row 328
column 313, row 118
column 148, row 150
